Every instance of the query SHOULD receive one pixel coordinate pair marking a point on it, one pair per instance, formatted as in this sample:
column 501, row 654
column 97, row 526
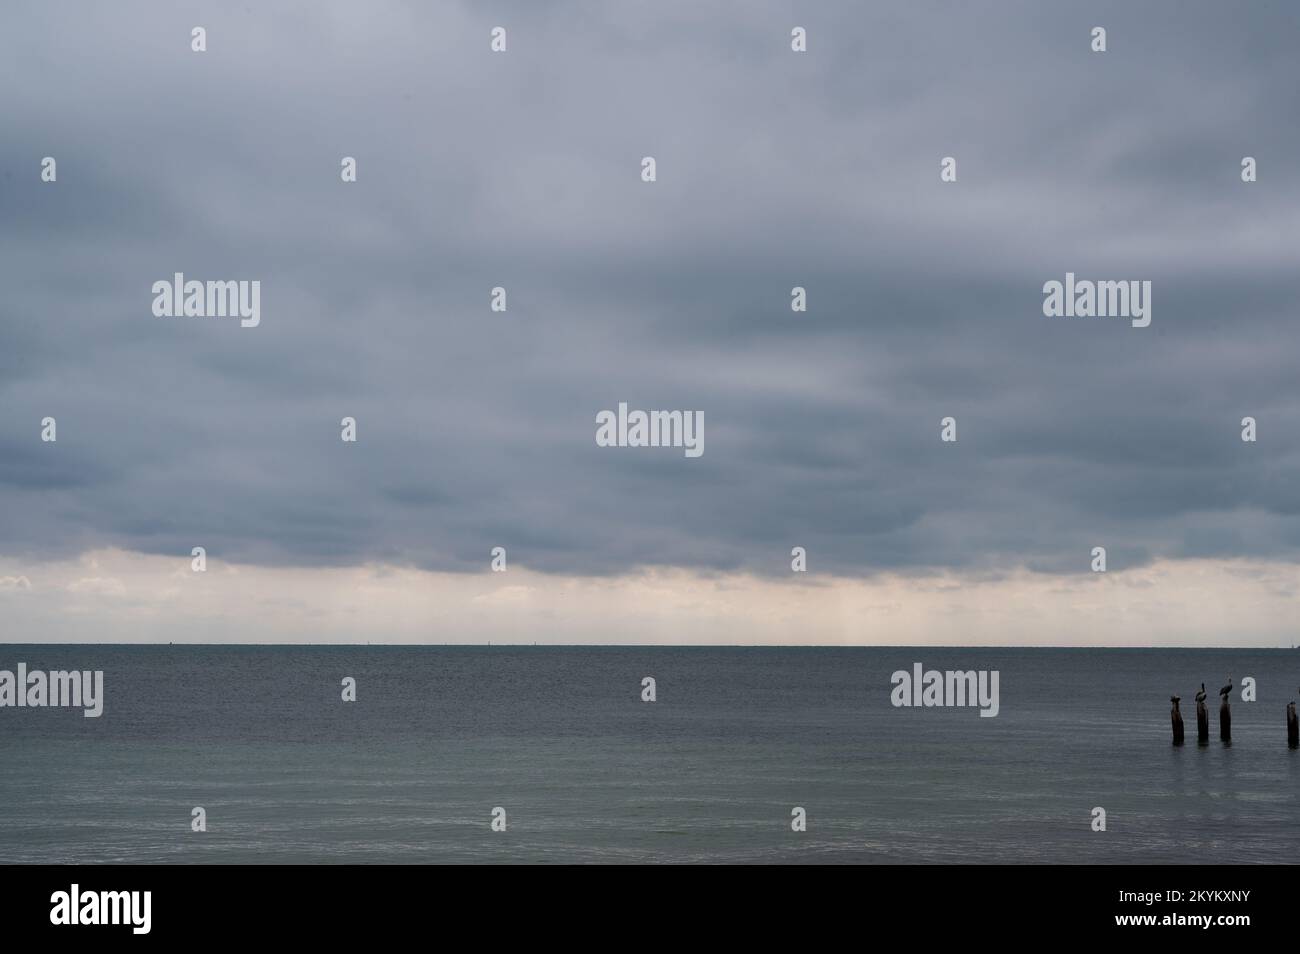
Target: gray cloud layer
column 775, row 169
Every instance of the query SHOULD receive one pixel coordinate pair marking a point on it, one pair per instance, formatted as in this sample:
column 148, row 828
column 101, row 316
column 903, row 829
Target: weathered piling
column 1177, row 718
column 1225, row 713
column 1292, row 728
column 1202, row 719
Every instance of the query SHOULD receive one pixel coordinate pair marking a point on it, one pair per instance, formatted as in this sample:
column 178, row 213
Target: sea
column 557, row 745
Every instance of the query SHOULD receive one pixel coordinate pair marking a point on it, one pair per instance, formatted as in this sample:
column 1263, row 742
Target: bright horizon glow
column 116, row 596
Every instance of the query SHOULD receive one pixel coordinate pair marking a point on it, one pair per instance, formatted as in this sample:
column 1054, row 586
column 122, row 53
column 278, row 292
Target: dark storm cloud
column 775, row 169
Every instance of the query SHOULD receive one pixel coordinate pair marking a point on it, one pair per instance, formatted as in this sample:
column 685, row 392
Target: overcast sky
column 775, row 169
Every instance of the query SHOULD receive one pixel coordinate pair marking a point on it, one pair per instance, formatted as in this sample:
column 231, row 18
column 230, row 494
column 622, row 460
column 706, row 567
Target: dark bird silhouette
column 1225, row 713
column 1202, row 719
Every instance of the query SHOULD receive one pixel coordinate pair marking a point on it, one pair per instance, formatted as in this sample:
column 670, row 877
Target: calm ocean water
column 558, row 736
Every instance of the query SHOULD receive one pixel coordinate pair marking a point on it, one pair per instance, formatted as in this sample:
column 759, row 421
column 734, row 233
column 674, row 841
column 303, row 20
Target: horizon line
column 537, row 645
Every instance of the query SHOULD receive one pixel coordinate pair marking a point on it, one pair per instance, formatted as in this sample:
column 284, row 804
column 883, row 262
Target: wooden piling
column 1202, row 719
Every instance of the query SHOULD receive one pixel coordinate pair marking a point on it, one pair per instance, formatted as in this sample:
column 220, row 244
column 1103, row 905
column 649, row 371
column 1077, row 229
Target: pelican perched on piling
column 1225, row 713
column 1202, row 719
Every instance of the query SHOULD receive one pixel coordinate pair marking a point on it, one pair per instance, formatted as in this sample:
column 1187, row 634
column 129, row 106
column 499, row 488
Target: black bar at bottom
column 336, row 904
